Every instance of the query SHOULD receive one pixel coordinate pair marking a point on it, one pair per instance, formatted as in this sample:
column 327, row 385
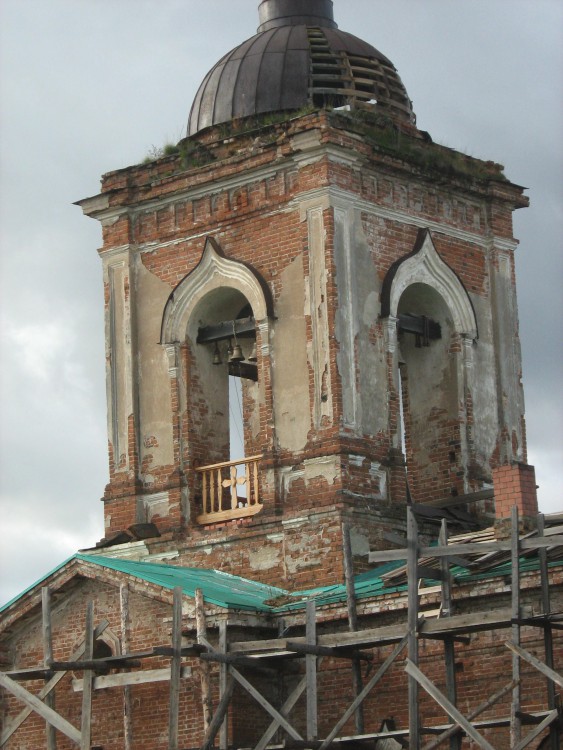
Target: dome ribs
column 293, row 63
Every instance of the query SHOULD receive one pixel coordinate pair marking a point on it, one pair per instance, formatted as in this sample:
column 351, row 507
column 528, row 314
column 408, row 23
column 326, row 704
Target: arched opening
column 104, row 647
column 220, row 302
column 429, row 393
column 222, row 341
column 435, row 324
column 223, row 403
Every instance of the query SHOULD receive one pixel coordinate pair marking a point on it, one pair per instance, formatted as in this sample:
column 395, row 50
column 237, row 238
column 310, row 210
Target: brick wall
column 483, row 665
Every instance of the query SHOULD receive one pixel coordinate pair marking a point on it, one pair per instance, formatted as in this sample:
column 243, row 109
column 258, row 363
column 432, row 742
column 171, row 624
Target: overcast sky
column 87, row 86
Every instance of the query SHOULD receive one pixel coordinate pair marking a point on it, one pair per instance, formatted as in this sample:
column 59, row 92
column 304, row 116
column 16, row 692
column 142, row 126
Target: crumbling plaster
column 508, row 355
column 361, row 361
column 155, row 423
column 289, row 361
column 119, row 329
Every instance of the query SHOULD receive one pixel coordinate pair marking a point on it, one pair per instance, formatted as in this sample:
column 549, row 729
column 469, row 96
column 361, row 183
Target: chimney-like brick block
column 515, row 484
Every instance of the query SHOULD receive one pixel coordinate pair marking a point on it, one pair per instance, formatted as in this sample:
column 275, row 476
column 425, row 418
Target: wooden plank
column 34, row 673
column 289, row 703
column 465, row 623
column 349, row 578
column 46, row 689
column 413, row 671
column 365, row 692
column 86, row 722
column 554, row 733
column 548, row 721
column 284, row 711
column 225, row 464
column 219, row 716
column 175, row 669
column 127, row 704
column 334, row 653
column 109, row 662
column 455, row 729
column 471, row 548
column 412, row 616
column 390, row 536
column 470, row 497
column 259, row 698
column 352, row 619
column 201, row 628
column 551, row 674
column 223, row 685
column 311, row 671
column 229, row 515
column 40, row 708
column 449, row 644
column 125, row 679
column 515, row 722
column 240, row 661
column 426, row 571
column 193, row 650
column 47, row 658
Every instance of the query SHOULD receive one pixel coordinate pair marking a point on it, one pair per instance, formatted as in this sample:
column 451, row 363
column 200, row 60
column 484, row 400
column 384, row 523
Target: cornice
column 338, row 197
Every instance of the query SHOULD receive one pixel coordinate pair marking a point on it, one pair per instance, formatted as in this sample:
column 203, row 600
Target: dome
column 298, row 58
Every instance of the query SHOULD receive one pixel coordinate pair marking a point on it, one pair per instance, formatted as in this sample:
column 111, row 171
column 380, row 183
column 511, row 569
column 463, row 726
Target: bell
column 230, row 350
column 217, row 355
column 253, row 356
column 237, row 355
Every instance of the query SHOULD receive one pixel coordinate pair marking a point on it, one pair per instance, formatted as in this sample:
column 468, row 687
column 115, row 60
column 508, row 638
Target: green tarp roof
column 219, row 588
column 233, row 592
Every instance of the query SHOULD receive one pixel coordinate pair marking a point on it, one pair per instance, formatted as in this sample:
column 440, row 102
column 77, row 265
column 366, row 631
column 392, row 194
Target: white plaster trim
column 338, row 197
column 356, row 460
column 277, row 537
column 390, row 330
column 286, row 476
column 153, row 506
column 320, row 346
column 172, row 555
column 94, row 205
column 173, row 359
column 112, row 640
column 295, row 523
column 127, row 551
column 427, row 267
column 114, row 252
column 214, row 271
column 502, row 243
column 380, row 474
column 344, row 215
column 213, row 187
column 335, row 154
column 116, row 267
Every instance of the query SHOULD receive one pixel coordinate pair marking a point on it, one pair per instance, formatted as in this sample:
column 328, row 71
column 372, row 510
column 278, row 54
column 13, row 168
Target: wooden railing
column 220, row 486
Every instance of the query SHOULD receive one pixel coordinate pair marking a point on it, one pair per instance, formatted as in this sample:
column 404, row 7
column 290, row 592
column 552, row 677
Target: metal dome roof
column 299, row 57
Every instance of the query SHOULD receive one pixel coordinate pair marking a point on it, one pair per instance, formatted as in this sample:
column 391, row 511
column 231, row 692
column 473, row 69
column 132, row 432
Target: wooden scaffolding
column 238, row 660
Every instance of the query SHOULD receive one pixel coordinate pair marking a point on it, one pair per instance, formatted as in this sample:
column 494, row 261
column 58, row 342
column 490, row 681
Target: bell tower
column 309, row 271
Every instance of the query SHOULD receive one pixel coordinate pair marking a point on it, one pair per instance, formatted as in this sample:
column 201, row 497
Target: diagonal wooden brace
column 540, row 666
column 52, row 717
column 368, row 687
column 46, row 689
column 412, row 670
column 282, row 721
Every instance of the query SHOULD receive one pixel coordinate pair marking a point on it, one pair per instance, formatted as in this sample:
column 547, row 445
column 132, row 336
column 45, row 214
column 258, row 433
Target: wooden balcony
column 229, row 490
